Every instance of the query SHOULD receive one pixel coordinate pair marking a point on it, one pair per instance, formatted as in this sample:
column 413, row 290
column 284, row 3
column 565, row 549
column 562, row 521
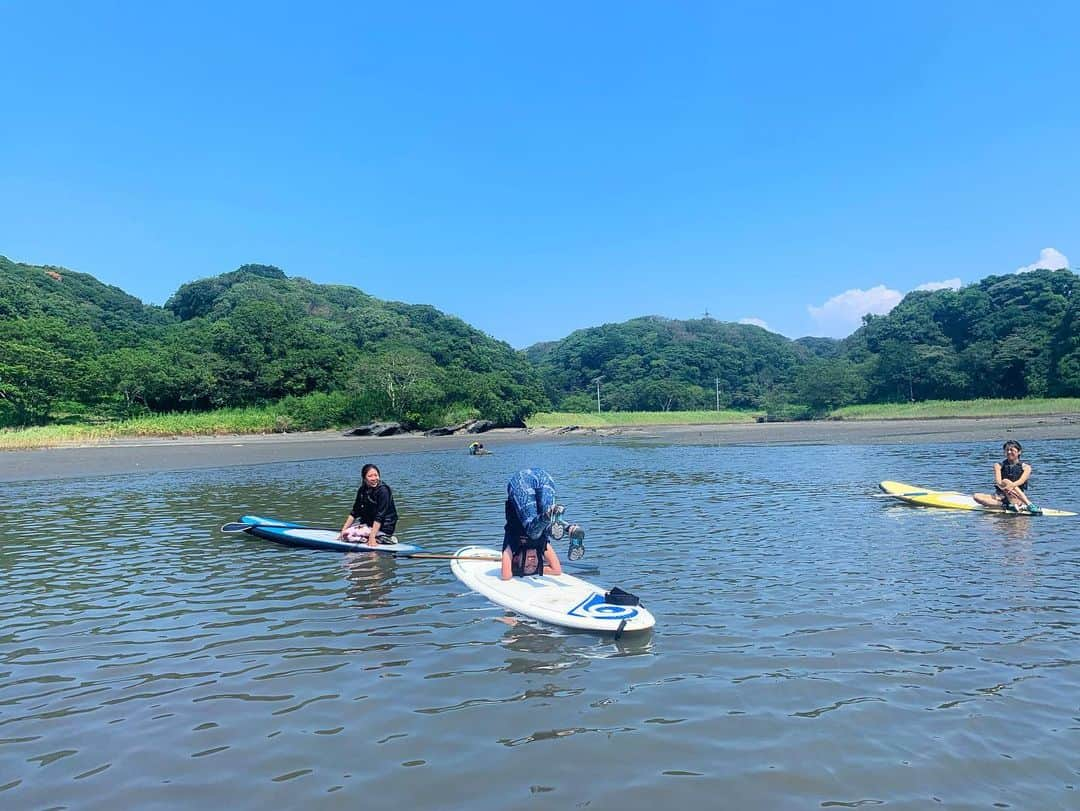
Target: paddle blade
column 235, row 526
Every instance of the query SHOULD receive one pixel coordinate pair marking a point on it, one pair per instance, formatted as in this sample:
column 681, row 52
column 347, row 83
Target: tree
column 32, row 379
column 826, row 385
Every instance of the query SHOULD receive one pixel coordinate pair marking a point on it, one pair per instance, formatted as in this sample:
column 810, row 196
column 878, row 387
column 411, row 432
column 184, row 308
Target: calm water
column 816, row 646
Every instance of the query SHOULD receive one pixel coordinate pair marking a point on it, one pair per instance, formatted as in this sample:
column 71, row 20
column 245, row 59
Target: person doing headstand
column 530, row 511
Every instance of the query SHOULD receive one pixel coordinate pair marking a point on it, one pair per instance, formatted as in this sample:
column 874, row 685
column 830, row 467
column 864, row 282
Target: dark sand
column 189, row 453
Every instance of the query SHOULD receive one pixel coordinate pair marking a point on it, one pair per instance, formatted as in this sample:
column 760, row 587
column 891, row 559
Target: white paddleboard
column 562, row 599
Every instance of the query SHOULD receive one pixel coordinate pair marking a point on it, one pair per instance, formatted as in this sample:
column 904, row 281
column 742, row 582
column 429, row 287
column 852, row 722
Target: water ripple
column 815, row 646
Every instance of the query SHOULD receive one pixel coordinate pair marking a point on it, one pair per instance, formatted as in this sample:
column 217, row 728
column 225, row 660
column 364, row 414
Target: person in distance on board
column 1010, row 482
column 373, row 516
column 530, row 511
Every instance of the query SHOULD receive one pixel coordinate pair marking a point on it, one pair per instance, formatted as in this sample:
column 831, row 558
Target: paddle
column 241, row 526
column 575, row 553
column 438, row 556
column 579, row 567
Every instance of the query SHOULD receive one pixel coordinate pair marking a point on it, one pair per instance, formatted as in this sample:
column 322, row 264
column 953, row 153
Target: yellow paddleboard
column 950, row 499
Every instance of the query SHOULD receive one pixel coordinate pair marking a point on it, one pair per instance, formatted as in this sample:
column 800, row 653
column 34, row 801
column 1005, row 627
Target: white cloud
column 1049, row 259
column 757, row 322
column 948, row 284
column 841, row 315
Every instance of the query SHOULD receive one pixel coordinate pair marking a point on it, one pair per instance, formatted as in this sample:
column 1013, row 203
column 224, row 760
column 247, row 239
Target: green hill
column 1004, row 336
column 71, row 346
column 249, row 337
column 56, row 326
column 659, row 364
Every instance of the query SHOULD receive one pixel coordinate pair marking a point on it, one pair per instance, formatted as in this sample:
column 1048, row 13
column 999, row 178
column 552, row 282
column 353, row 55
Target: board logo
column 595, row 608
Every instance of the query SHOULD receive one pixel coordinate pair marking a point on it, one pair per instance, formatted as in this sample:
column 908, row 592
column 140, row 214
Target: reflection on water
column 1014, row 527
column 369, row 579
column 816, row 646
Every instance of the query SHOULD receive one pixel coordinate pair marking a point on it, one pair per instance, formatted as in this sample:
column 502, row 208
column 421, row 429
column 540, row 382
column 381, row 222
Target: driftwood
column 391, row 428
column 445, row 431
column 375, row 429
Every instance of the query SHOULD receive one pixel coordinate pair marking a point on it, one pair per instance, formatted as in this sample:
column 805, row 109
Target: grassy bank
column 932, row 409
column 210, row 423
column 271, row 420
column 619, row 419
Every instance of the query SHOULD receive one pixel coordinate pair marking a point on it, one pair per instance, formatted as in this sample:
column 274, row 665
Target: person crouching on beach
column 373, row 516
column 530, row 510
column 1011, row 478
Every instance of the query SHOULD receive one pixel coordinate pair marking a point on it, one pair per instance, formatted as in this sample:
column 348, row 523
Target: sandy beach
column 188, row 453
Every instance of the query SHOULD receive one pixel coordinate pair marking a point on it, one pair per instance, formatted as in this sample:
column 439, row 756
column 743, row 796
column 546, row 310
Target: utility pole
column 597, row 382
column 718, row 394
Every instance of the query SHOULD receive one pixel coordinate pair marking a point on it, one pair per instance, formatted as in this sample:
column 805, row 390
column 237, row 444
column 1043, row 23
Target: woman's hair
column 364, row 471
column 1009, row 443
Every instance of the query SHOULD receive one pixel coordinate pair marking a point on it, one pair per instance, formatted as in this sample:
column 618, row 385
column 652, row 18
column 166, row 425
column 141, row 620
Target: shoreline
column 155, row 455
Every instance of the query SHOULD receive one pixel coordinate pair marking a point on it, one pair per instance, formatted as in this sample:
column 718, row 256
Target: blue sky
column 536, row 168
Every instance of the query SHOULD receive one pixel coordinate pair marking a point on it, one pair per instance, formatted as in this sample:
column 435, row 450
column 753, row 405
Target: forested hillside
column 58, row 330
column 658, row 364
column 1004, row 336
column 69, row 344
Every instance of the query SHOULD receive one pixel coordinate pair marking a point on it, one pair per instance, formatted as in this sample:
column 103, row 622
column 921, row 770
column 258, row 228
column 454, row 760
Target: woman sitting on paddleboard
column 530, row 511
column 1010, row 482
column 373, row 516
